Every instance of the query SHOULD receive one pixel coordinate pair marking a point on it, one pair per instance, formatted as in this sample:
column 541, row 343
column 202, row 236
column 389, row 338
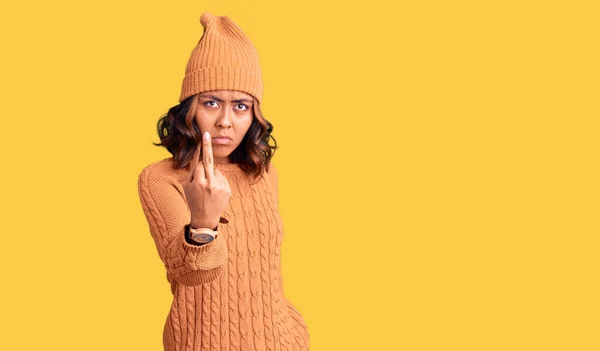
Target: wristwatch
column 202, row 235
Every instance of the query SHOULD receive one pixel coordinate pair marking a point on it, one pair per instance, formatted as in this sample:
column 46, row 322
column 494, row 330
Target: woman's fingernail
column 206, row 135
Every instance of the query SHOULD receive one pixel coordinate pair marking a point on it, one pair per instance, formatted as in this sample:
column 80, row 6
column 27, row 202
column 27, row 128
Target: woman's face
column 224, row 113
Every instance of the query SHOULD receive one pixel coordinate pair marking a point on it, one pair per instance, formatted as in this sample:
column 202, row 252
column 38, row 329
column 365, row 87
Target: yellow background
column 438, row 169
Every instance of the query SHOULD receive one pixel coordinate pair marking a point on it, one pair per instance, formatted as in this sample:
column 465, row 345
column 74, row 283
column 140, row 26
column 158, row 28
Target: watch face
column 203, row 238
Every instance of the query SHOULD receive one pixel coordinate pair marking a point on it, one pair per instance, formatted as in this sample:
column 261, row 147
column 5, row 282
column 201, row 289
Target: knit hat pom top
column 223, row 59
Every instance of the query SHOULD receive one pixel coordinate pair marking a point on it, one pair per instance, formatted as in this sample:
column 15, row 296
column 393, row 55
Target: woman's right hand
column 206, row 189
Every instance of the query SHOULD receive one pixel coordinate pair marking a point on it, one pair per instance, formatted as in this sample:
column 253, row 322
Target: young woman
column 212, row 207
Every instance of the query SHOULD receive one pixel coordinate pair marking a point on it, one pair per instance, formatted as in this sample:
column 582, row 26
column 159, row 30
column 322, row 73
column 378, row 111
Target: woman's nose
column 224, row 119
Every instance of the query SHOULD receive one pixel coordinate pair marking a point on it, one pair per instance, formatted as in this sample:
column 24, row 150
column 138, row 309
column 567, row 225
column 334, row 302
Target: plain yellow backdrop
column 438, row 169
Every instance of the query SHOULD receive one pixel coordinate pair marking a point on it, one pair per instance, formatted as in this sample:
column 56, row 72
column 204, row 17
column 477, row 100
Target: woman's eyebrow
column 220, row 100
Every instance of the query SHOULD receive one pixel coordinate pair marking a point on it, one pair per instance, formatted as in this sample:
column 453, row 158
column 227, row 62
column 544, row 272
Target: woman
column 212, row 206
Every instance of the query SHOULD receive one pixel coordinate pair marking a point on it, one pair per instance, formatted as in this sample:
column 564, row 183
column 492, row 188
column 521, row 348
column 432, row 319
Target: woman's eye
column 208, row 102
column 245, row 107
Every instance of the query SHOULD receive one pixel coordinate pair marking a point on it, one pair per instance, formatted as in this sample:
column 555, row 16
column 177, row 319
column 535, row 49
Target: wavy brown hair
column 179, row 133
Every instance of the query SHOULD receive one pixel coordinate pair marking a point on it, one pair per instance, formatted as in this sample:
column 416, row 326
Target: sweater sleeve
column 167, row 213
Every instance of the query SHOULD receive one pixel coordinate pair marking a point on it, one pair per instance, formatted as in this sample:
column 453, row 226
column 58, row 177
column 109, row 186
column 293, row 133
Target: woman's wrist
column 203, row 224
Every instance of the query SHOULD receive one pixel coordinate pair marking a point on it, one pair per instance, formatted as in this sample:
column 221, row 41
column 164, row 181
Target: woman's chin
column 219, row 157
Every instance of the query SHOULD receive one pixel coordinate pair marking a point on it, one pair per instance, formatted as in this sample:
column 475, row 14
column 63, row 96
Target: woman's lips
column 221, row 141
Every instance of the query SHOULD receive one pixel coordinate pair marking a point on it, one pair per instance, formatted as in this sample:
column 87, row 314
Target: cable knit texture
column 227, row 294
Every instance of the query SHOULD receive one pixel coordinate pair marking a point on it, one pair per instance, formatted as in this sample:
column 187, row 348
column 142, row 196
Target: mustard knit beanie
column 224, row 58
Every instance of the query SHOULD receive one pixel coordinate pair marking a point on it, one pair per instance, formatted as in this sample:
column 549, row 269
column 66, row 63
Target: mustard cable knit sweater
column 227, row 294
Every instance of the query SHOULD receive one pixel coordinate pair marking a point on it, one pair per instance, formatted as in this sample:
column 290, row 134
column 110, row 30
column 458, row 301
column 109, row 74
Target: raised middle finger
column 207, row 158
